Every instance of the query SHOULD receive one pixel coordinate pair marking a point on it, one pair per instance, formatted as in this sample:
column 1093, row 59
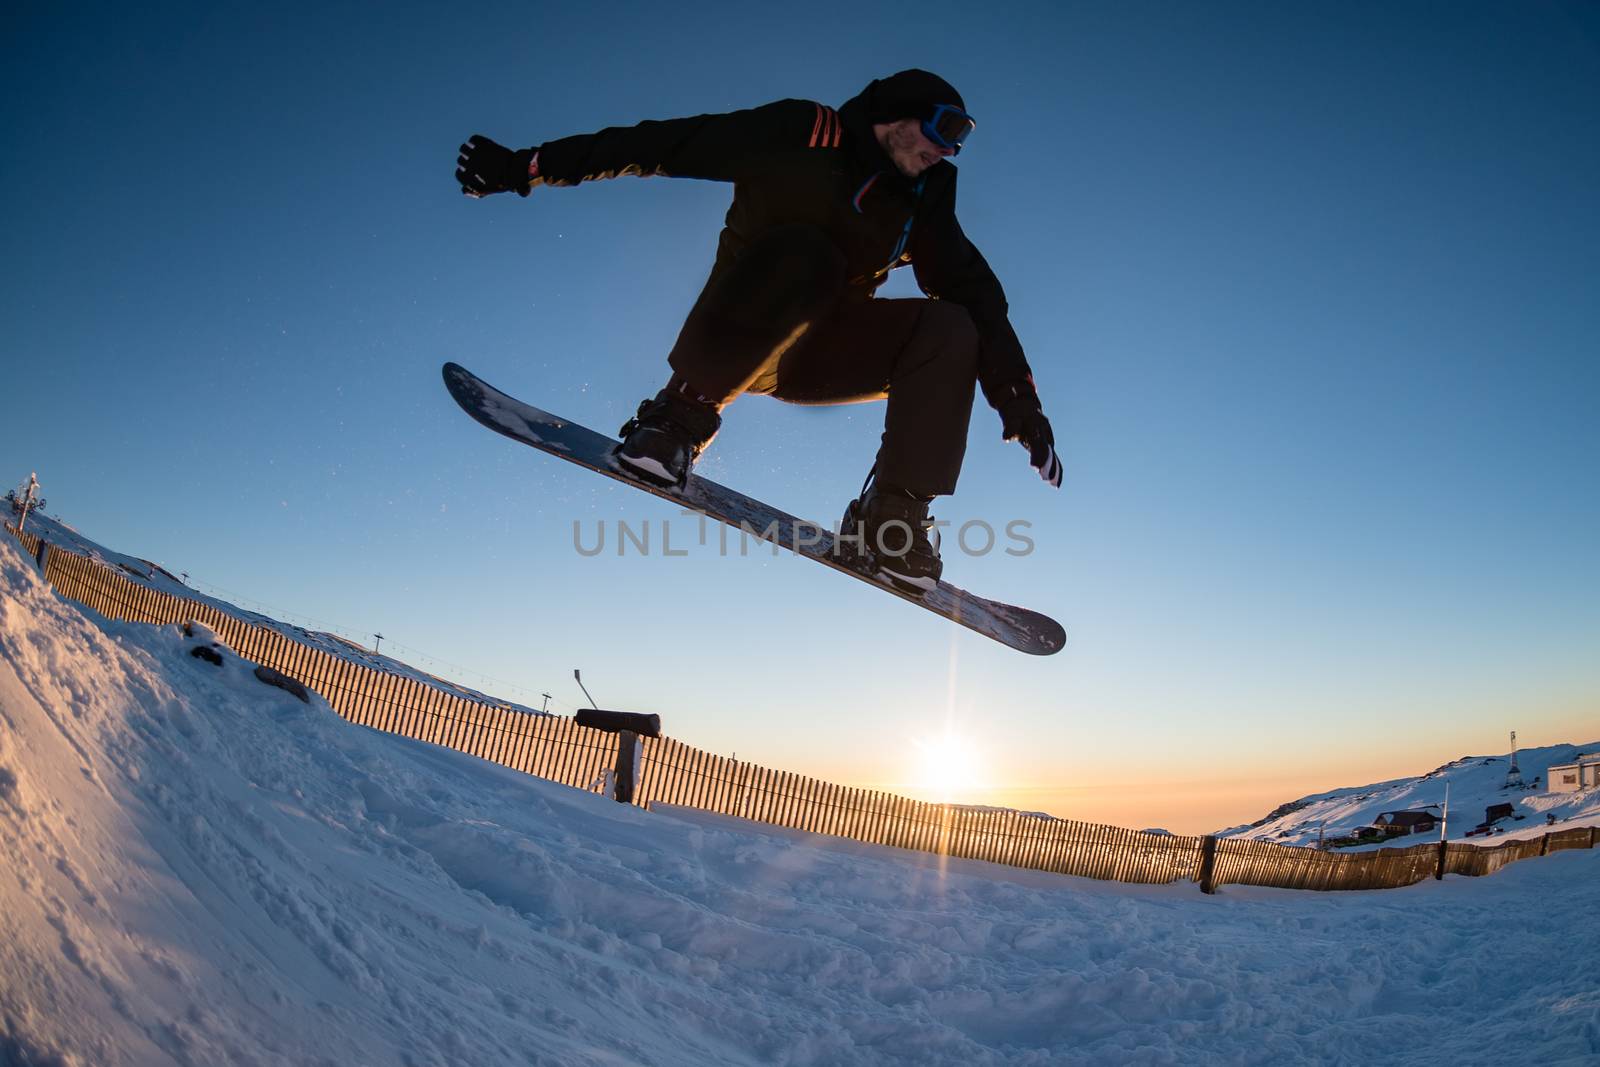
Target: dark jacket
column 796, row 161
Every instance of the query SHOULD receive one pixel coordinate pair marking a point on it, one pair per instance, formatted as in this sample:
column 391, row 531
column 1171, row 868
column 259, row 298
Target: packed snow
column 201, row 869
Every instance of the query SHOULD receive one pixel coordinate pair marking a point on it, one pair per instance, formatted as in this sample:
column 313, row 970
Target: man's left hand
column 484, row 167
column 1022, row 419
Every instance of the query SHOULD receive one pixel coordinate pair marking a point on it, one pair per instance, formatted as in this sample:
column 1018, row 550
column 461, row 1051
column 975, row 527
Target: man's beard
column 903, row 151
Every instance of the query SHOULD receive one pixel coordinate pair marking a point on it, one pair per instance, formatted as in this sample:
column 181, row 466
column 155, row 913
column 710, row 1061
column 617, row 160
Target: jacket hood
column 908, row 94
column 911, row 94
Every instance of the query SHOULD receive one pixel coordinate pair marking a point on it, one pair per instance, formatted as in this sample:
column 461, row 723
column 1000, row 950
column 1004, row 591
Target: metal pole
column 1444, row 830
column 578, row 677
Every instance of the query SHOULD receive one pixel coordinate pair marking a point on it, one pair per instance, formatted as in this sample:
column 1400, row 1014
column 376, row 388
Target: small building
column 1495, row 812
column 1574, row 777
column 1396, row 823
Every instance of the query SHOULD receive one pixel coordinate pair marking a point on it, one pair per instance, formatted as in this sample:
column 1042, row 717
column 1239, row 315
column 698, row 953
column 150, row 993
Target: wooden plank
column 688, row 780
column 829, row 815
column 871, row 818
column 720, row 772
column 667, row 774
column 769, row 794
column 524, row 743
column 456, row 719
column 680, row 779
column 695, row 766
column 662, row 786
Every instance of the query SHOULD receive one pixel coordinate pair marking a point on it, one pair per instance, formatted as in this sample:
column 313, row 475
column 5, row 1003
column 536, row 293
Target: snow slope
column 1475, row 782
column 202, row 870
column 154, row 576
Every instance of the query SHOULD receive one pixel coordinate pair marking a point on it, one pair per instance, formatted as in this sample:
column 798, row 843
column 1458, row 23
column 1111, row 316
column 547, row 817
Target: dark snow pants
column 779, row 321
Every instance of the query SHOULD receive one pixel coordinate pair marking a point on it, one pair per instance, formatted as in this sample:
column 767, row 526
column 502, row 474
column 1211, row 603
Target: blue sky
column 1309, row 291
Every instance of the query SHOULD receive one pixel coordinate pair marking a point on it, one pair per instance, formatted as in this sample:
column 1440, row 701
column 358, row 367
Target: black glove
column 1022, row 419
column 484, row 167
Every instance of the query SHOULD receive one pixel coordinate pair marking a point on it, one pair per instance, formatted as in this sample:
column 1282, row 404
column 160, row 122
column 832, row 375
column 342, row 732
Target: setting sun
column 947, row 766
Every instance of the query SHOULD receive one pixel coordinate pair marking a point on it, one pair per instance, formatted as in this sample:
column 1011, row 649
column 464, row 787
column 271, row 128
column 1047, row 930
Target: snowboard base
column 1019, row 628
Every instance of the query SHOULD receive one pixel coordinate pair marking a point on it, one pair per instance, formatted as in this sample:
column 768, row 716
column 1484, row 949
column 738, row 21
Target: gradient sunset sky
column 1310, row 292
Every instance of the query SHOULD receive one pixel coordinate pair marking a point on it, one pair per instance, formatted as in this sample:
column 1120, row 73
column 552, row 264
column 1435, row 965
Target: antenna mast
column 1514, row 775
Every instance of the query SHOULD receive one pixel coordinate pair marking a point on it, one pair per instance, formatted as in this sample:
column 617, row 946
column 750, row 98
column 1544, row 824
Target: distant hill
column 1476, row 783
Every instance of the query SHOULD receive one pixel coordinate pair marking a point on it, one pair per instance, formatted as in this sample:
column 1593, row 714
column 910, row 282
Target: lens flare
column 948, row 767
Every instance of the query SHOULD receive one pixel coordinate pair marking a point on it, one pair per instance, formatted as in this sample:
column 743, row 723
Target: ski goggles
column 948, row 127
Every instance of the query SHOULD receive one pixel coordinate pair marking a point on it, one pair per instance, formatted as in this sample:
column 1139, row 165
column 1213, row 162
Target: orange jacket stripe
column 825, row 132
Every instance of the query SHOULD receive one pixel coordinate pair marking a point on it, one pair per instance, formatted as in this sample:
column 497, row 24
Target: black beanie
column 911, row 94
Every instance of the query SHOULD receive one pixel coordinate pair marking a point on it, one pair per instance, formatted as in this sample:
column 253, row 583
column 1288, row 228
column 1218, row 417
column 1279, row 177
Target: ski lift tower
column 1514, row 775
column 30, row 500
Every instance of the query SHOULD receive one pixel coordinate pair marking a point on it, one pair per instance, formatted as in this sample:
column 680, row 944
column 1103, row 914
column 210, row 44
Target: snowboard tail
column 1021, row 629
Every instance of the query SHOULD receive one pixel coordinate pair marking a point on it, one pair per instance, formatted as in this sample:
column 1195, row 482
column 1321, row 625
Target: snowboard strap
column 871, row 474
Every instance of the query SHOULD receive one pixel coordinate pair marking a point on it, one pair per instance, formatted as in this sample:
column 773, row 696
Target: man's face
column 908, row 147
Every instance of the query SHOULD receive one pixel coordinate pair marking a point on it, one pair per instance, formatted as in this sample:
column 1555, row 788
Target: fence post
column 1438, row 875
column 43, row 555
column 1208, row 863
column 1544, row 845
column 628, row 752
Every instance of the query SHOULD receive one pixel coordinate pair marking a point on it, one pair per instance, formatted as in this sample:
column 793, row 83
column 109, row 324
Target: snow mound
column 202, row 869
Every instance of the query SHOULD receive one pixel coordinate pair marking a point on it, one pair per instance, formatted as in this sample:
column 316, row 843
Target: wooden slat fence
column 548, row 746
column 676, row 774
column 1245, row 862
column 30, row 542
column 672, row 773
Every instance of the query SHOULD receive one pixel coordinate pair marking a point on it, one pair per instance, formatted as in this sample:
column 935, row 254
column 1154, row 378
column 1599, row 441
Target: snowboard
column 1021, row 629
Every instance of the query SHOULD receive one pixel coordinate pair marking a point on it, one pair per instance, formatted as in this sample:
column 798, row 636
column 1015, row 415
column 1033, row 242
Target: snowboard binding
column 886, row 532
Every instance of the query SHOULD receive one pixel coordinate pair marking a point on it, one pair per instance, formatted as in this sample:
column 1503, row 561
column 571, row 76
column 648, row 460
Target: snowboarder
column 826, row 203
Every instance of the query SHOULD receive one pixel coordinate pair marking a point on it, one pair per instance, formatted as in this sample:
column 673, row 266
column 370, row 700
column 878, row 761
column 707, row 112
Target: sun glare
column 948, row 766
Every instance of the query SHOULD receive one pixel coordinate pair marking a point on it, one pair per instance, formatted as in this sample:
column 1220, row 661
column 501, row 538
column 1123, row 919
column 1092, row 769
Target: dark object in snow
column 615, row 722
column 284, row 682
column 1396, row 823
column 625, row 774
column 1497, row 811
column 1021, row 629
column 628, row 726
column 210, row 655
column 1491, row 815
column 1359, row 835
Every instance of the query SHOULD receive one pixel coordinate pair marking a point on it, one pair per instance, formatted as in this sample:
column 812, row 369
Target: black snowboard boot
column 663, row 440
column 891, row 526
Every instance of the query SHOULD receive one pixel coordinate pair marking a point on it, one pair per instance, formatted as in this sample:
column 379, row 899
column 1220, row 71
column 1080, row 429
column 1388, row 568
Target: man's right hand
column 484, row 167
